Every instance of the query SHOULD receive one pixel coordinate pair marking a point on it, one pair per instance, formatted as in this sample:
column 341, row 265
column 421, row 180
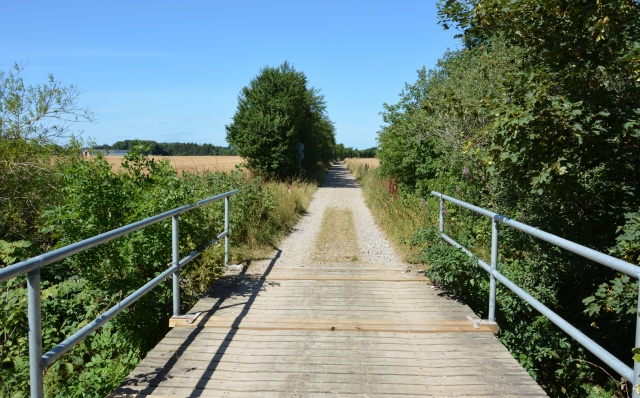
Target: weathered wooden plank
column 505, row 364
column 488, row 352
column 207, row 336
column 459, row 368
column 343, row 385
column 336, row 355
column 344, row 332
column 348, row 278
column 354, row 325
column 196, row 378
column 165, row 392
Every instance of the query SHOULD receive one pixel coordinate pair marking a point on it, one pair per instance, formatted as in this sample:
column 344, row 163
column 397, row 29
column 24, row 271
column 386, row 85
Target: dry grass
column 191, row 164
column 290, row 202
column 337, row 240
column 368, row 163
column 361, row 167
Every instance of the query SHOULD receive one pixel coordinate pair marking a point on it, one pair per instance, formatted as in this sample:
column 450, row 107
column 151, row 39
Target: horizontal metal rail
column 620, row 367
column 32, row 267
column 60, row 254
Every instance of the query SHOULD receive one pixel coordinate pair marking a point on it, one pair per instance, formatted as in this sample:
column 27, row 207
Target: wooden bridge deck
column 317, row 330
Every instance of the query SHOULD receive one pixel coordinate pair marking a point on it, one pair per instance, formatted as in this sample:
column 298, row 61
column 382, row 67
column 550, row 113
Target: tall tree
column 32, row 117
column 275, row 114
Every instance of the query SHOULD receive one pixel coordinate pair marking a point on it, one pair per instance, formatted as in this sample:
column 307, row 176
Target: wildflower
column 465, row 170
column 458, row 189
column 423, row 200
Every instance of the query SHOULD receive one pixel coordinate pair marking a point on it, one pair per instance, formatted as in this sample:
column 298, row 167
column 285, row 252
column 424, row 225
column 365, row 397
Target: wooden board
column 329, row 330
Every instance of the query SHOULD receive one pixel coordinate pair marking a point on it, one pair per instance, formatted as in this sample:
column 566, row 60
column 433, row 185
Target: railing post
column 175, row 249
column 636, row 365
column 34, row 310
column 494, row 266
column 226, row 230
column 441, row 215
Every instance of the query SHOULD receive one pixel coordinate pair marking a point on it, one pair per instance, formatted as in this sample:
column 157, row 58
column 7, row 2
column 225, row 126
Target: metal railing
column 39, row 362
column 632, row 270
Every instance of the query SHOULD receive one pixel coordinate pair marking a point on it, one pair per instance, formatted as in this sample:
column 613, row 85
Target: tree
column 556, row 136
column 275, row 113
column 31, row 119
column 575, row 91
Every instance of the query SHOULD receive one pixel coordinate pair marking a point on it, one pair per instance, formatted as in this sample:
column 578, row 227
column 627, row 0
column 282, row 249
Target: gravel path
column 339, row 190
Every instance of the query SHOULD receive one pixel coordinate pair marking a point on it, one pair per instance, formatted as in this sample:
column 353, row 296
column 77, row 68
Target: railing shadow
column 250, row 287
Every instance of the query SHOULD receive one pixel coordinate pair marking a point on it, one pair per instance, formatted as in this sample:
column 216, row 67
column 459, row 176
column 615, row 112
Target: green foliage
column 98, row 200
column 31, row 118
column 11, row 251
column 439, row 127
column 276, row 112
column 628, row 241
column 451, row 267
column 78, row 289
column 613, row 305
column 14, row 362
column 37, row 113
column 537, row 119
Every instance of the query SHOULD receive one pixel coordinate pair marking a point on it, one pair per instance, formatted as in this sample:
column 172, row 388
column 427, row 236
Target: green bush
column 78, row 289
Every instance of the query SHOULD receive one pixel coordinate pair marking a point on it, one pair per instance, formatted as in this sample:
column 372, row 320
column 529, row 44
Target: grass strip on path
column 337, row 241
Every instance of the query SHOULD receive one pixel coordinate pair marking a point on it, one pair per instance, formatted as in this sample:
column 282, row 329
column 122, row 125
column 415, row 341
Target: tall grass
column 287, row 202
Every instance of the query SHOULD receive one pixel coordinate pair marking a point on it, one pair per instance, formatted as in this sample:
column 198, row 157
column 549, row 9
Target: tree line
column 536, row 117
column 172, row 148
column 341, row 152
column 192, row 149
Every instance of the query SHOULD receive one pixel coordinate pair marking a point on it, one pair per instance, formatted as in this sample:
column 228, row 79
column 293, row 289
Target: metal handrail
column 38, row 362
column 632, row 270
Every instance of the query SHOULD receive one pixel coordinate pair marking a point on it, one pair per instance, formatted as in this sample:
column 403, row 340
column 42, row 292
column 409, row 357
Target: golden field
column 191, row 164
column 372, row 163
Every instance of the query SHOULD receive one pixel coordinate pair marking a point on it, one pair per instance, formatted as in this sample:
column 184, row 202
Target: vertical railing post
column 175, row 249
column 636, row 365
column 226, row 230
column 494, row 266
column 441, row 215
column 34, row 310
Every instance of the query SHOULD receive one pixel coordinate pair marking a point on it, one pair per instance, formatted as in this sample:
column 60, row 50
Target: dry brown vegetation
column 191, row 164
column 368, row 163
column 360, row 167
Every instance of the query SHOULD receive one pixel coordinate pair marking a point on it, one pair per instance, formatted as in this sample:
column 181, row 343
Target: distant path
column 339, row 190
column 289, row 327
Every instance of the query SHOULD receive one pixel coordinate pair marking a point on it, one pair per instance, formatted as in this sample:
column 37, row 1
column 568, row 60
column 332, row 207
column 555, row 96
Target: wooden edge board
column 379, row 278
column 338, row 325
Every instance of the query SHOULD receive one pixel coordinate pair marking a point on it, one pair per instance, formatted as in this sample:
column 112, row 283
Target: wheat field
column 190, row 164
column 369, row 163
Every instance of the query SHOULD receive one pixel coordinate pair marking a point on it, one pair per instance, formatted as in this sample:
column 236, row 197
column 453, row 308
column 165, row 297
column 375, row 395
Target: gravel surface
column 339, row 190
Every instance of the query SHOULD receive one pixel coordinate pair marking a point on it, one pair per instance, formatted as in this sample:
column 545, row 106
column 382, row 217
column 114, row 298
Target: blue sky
column 172, row 71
